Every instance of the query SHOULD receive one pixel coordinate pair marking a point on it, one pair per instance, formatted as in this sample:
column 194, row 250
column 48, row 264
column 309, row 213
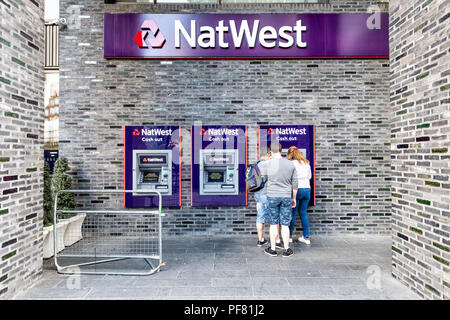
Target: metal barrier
column 107, row 236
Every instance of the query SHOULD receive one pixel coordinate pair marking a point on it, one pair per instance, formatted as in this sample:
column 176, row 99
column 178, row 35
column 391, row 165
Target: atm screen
column 153, row 159
column 151, row 177
column 216, row 176
column 219, row 158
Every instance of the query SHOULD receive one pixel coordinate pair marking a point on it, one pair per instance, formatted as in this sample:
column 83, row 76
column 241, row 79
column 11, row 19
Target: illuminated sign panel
column 275, row 35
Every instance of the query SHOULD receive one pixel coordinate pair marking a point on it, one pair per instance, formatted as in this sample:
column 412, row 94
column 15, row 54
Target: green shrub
column 48, row 200
column 61, row 181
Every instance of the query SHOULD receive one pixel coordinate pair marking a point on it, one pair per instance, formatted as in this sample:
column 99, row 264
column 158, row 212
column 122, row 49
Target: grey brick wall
column 21, row 143
column 348, row 101
column 420, row 89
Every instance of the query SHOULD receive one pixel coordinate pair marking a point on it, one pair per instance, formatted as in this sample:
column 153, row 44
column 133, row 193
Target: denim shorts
column 261, row 207
column 279, row 211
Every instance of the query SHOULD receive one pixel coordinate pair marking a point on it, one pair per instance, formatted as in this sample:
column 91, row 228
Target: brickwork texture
column 21, row 143
column 419, row 95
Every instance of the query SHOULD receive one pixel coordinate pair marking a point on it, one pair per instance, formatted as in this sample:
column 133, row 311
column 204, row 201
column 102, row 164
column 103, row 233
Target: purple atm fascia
column 152, row 160
column 218, row 163
column 302, row 137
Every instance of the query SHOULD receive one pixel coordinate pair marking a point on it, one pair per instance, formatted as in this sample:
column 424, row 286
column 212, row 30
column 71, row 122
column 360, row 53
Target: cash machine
column 152, row 171
column 219, row 172
column 218, row 163
column 298, row 136
column 152, row 163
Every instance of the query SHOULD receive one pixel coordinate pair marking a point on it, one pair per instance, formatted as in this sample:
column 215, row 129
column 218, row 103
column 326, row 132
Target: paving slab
column 232, row 268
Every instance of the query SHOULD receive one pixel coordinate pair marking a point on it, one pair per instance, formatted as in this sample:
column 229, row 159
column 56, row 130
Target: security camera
column 60, row 22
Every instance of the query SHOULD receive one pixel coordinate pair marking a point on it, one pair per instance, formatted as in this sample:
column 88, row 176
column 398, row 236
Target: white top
column 303, row 173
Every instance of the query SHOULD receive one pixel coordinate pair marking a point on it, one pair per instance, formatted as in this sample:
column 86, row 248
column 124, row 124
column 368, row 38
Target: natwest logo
column 142, row 37
column 136, row 132
column 219, row 132
column 287, row 131
column 154, row 132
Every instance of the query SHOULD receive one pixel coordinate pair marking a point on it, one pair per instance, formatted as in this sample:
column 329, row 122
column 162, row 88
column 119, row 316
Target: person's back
column 303, row 173
column 281, row 176
column 281, row 190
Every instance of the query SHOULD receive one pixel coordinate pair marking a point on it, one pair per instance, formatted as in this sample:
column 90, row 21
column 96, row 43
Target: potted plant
column 68, row 226
column 48, row 215
column 70, row 230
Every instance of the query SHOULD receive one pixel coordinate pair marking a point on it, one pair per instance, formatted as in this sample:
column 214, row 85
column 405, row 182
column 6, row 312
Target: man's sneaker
column 271, row 252
column 290, row 240
column 279, row 245
column 301, row 239
column 261, row 242
column 287, row 253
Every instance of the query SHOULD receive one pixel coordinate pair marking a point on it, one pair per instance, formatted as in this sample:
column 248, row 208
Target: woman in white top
column 303, row 194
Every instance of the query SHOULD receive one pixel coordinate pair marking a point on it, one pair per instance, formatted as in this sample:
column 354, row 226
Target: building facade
column 347, row 101
column 382, row 128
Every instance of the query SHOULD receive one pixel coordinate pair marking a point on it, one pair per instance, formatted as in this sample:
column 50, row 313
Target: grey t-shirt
column 281, row 177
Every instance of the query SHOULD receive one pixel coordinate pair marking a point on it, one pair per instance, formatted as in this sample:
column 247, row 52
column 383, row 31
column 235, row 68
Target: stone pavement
column 332, row 267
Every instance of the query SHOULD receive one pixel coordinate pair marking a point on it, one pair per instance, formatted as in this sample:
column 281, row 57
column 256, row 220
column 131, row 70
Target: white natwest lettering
column 290, row 131
column 267, row 35
column 223, row 131
column 238, row 37
column 156, row 132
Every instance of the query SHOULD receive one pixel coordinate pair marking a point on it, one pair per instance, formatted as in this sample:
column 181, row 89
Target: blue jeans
column 302, row 201
column 280, row 211
column 261, row 207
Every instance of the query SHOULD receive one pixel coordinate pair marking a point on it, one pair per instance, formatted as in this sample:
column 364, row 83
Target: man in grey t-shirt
column 281, row 190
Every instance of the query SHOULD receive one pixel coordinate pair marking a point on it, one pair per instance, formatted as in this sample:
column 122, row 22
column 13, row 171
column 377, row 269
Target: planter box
column 60, row 231
column 48, row 236
column 73, row 231
column 48, row 242
column 68, row 232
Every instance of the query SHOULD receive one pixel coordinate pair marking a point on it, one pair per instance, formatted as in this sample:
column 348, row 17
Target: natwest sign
column 287, row 131
column 220, row 131
column 211, row 37
column 245, row 36
column 154, row 132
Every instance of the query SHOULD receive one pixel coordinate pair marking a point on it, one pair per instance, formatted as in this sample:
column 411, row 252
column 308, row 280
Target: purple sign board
column 301, row 137
column 218, row 163
column 152, row 163
column 246, row 36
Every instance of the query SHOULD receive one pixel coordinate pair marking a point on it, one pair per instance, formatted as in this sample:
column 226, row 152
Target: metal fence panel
column 87, row 237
